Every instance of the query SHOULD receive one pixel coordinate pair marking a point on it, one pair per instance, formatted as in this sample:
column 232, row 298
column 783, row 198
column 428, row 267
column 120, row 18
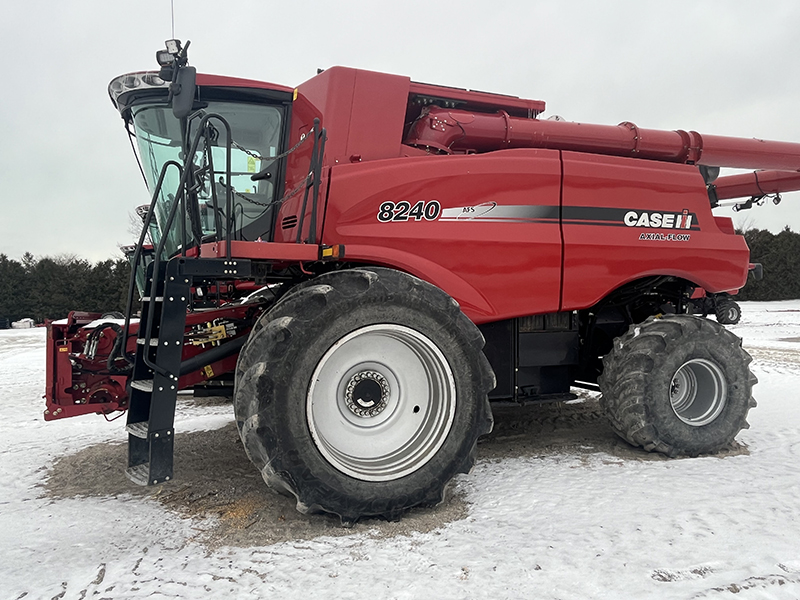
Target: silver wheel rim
column 381, row 402
column 698, row 392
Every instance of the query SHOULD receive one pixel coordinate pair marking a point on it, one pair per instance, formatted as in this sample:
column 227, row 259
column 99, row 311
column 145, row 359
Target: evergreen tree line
column 780, row 256
column 50, row 287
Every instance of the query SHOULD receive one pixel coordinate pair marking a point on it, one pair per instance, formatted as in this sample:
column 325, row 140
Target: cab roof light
column 171, row 59
column 131, row 81
column 164, row 58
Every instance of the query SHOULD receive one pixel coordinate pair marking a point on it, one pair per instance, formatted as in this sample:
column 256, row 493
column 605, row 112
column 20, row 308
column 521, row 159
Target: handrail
column 139, row 246
column 315, row 169
column 180, row 199
column 186, row 193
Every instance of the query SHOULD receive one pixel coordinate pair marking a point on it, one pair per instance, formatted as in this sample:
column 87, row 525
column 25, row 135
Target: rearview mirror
column 182, row 91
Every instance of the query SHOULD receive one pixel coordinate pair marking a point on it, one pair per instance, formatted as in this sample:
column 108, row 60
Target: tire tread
column 631, row 363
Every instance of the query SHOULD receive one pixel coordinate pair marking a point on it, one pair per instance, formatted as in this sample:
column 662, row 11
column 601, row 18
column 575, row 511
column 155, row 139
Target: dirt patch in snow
column 216, row 484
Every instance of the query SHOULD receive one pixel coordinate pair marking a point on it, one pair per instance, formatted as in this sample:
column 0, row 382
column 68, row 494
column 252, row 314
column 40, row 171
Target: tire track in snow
column 783, row 361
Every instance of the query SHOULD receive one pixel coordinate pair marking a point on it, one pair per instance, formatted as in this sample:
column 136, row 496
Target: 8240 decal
column 403, row 211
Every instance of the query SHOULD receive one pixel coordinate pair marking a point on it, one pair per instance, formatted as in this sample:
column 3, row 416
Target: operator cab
column 258, row 115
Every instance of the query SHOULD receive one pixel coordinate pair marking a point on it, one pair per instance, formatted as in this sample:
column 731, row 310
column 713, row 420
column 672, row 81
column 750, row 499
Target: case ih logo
column 659, row 220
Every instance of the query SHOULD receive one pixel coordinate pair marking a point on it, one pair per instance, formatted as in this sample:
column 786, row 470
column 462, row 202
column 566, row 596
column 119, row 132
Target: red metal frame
column 69, row 394
column 224, row 81
column 77, row 384
column 277, row 252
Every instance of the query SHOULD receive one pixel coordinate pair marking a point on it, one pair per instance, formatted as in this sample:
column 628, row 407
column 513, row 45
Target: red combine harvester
column 372, row 263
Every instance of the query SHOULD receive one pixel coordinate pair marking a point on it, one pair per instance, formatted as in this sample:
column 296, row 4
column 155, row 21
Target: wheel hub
column 367, row 393
column 381, row 402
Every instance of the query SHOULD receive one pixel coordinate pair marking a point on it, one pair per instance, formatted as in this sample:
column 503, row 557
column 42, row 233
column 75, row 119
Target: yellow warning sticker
column 208, row 371
column 251, row 164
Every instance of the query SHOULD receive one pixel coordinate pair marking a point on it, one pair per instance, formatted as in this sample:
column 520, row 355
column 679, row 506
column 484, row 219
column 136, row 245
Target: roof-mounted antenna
column 172, row 12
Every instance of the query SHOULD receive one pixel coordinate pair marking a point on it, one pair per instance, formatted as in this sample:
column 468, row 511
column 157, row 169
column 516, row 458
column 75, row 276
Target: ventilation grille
column 289, row 222
column 563, row 321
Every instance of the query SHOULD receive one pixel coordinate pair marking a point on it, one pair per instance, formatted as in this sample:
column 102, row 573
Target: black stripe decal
column 601, row 216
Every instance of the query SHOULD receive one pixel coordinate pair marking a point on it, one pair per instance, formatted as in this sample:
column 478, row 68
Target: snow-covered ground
column 548, row 524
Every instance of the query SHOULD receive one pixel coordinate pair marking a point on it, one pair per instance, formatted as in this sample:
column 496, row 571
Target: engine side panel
column 624, row 219
column 495, row 241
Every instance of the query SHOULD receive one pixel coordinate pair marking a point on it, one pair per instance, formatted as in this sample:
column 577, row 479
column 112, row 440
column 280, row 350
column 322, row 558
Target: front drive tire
column 678, row 384
column 363, row 394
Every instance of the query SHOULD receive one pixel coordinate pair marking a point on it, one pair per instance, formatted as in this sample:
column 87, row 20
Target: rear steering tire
column 678, row 384
column 727, row 310
column 363, row 394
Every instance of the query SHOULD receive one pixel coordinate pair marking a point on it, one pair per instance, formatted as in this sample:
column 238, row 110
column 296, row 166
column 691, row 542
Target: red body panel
column 471, row 250
column 362, row 111
column 497, row 266
column 503, row 258
column 223, row 81
column 600, row 256
column 481, row 100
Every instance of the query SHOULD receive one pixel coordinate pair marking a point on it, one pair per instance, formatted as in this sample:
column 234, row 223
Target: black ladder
column 154, row 384
column 159, row 350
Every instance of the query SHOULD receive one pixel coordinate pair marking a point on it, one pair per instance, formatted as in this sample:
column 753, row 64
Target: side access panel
column 533, row 358
column 626, row 218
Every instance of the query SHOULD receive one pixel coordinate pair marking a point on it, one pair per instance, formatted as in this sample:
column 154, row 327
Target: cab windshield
column 256, row 129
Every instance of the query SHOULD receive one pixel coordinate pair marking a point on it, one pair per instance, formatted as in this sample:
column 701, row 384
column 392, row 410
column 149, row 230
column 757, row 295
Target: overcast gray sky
column 68, row 180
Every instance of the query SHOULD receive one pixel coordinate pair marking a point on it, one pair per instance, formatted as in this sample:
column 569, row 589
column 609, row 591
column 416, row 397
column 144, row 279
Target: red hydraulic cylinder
column 449, row 131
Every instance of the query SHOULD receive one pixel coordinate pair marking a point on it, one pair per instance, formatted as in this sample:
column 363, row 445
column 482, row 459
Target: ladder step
column 145, row 385
column 153, row 341
column 140, row 474
column 139, row 429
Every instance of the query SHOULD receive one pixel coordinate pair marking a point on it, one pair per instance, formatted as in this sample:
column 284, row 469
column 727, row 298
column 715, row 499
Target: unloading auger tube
column 456, row 130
